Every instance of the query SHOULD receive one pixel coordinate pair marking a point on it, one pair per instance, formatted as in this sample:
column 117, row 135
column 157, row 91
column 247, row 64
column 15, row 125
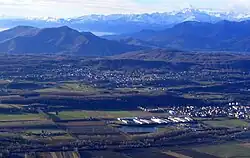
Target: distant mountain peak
column 128, row 23
column 188, row 9
column 66, row 28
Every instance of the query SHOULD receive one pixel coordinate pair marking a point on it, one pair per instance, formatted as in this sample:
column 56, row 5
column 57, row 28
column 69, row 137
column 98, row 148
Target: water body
column 103, row 33
column 134, row 129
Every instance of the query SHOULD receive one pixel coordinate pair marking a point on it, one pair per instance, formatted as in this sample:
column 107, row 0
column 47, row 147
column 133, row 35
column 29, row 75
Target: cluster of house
column 154, row 120
column 232, row 110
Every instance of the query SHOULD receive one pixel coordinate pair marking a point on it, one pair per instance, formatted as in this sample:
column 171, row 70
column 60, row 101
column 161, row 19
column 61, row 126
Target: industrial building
column 154, row 120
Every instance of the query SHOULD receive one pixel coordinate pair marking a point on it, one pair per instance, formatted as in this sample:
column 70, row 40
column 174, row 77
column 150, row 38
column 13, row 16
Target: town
column 194, row 84
column 232, row 110
column 85, row 105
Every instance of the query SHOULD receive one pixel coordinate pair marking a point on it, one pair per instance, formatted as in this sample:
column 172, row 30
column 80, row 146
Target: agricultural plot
column 227, row 123
column 135, row 153
column 50, row 135
column 43, row 131
column 67, row 115
column 7, row 106
column 141, row 90
column 102, row 154
column 51, row 139
column 62, row 138
column 225, row 150
column 20, row 117
column 56, row 155
column 92, row 130
column 185, row 153
column 26, row 124
column 139, row 153
column 175, row 154
column 78, row 87
column 71, row 87
column 9, row 134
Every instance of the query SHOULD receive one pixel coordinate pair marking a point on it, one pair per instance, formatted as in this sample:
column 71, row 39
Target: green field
column 100, row 114
column 204, row 96
column 57, row 154
column 78, row 87
column 228, row 123
column 226, row 150
column 71, row 87
column 64, row 137
column 40, row 131
column 7, row 106
column 21, row 123
column 20, row 117
column 141, row 90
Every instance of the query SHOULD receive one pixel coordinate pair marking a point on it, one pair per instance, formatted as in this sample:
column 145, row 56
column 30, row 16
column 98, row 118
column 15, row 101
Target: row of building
column 154, row 120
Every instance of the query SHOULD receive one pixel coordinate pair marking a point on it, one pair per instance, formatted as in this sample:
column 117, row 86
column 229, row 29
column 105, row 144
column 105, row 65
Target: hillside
column 137, row 42
column 187, row 36
column 178, row 56
column 17, row 31
column 221, row 36
column 61, row 40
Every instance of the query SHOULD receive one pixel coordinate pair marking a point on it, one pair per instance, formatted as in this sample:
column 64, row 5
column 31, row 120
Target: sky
column 75, row 8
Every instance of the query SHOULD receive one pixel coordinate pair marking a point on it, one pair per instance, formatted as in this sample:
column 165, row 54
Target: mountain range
column 128, row 23
column 196, row 36
column 60, row 40
column 186, row 36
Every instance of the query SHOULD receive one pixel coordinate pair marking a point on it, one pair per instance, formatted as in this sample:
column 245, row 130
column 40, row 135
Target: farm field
column 20, row 117
column 11, row 106
column 135, row 153
column 62, row 138
column 92, row 130
column 228, row 123
column 103, row 154
column 7, row 106
column 12, row 124
column 56, row 155
column 89, row 128
column 64, row 115
column 80, row 99
column 49, row 139
column 152, row 152
column 226, row 150
column 71, row 87
column 186, row 153
column 40, row 131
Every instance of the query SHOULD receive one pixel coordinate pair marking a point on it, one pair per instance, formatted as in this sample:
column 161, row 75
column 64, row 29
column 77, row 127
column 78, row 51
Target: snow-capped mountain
column 168, row 17
column 126, row 23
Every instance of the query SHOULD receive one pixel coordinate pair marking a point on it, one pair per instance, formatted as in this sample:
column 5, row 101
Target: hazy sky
column 71, row 8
